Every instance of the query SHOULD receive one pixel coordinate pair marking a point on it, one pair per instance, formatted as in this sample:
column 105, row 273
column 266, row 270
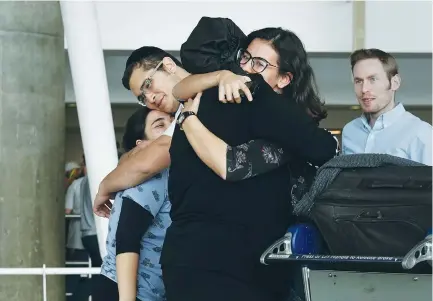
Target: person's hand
column 102, row 205
column 192, row 104
column 229, row 86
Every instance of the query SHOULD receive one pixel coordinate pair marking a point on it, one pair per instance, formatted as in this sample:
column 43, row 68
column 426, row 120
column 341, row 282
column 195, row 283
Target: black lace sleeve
column 253, row 158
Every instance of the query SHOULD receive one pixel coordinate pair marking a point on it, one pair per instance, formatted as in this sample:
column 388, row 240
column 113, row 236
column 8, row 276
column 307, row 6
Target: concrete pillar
column 32, row 131
column 358, row 27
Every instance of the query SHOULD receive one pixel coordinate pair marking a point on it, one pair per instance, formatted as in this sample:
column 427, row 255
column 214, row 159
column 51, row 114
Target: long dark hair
column 293, row 58
column 134, row 128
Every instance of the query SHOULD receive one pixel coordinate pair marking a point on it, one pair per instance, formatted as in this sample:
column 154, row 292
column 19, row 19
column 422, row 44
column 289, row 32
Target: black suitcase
column 381, row 211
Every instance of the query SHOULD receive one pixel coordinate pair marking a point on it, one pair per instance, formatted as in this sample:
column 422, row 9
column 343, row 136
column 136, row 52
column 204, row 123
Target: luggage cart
column 300, row 246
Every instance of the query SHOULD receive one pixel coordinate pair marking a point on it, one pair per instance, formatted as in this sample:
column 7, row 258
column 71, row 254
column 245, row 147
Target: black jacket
column 225, row 226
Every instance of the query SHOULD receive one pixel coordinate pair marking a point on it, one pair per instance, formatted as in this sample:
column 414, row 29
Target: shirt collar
column 385, row 119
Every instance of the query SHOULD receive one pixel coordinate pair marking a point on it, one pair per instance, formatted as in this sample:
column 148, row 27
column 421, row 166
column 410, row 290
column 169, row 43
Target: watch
column 183, row 116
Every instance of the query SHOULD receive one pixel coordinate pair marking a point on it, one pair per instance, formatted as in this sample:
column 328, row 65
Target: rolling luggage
column 383, row 210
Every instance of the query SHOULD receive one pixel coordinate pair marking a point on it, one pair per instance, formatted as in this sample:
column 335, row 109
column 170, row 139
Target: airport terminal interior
column 355, row 222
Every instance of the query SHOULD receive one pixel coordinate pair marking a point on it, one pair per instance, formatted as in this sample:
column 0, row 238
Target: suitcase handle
column 406, row 184
column 378, row 184
column 370, row 215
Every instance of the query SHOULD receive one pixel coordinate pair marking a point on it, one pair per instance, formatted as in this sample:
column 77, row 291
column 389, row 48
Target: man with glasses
column 150, row 73
column 153, row 89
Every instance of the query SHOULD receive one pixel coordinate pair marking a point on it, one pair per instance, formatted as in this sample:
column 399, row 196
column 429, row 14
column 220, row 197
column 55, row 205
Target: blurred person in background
column 88, row 227
column 73, row 171
column 73, row 200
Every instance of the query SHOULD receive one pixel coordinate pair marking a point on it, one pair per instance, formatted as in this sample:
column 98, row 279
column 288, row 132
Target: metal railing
column 44, row 272
column 72, row 216
column 49, row 271
column 79, row 263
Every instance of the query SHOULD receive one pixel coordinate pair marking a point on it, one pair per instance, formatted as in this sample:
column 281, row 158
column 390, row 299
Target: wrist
column 127, row 299
column 188, row 121
column 183, row 117
column 219, row 75
column 102, row 190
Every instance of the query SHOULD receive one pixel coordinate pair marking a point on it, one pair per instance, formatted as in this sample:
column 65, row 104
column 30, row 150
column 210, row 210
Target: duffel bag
column 382, row 210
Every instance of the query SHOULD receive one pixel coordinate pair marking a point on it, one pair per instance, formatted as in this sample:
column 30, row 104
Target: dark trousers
column 184, row 283
column 91, row 245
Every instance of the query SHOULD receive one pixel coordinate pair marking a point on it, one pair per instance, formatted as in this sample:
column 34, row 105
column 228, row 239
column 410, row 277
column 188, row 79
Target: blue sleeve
column 151, row 194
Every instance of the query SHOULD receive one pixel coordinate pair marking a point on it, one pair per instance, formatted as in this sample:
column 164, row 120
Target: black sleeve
column 284, row 122
column 134, row 221
column 253, row 158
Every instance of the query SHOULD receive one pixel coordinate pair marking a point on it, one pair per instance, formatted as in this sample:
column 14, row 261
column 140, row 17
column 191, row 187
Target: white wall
column 399, row 26
column 332, row 73
column 324, row 26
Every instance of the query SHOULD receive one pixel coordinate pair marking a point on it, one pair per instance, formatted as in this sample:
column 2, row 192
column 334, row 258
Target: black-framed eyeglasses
column 146, row 86
column 258, row 64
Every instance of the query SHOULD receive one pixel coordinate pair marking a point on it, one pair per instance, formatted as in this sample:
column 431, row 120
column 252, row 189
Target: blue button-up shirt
column 397, row 132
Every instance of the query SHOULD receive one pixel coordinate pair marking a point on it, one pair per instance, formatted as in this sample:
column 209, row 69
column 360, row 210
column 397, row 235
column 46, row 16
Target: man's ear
column 169, row 65
column 395, row 82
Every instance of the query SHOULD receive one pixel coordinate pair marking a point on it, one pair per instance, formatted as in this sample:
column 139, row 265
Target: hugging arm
column 133, row 170
column 258, row 156
column 291, row 127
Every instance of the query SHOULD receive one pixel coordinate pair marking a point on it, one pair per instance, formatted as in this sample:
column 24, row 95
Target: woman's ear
column 284, row 80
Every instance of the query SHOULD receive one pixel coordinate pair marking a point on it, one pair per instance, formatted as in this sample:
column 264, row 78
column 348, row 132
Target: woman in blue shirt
column 138, row 222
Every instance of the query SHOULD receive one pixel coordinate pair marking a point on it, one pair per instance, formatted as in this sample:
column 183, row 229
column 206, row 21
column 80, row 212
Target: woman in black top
column 219, row 228
column 206, row 50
